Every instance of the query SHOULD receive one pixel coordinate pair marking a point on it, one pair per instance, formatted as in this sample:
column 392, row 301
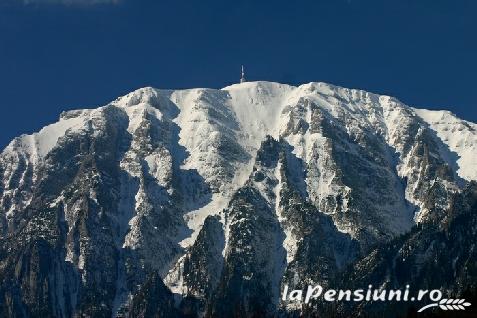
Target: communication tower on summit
column 242, row 78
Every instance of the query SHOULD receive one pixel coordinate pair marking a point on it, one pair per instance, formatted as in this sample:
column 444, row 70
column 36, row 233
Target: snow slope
column 459, row 135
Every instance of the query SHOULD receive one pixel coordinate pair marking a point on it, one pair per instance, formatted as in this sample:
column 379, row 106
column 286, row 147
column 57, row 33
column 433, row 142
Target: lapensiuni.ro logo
column 433, row 298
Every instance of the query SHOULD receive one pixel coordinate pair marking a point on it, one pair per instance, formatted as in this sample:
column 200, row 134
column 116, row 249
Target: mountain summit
column 204, row 201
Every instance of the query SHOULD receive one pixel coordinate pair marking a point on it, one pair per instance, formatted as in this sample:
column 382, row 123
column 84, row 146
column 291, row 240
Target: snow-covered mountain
column 218, row 196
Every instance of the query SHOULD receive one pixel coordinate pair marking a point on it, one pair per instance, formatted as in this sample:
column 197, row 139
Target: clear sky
column 64, row 54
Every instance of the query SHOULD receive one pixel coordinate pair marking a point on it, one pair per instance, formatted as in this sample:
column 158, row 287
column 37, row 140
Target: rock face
column 207, row 202
column 434, row 254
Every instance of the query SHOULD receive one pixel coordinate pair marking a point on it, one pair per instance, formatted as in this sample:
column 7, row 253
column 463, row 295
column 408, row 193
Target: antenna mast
column 242, row 78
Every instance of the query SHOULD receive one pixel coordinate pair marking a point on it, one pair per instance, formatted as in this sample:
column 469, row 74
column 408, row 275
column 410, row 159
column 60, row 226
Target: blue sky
column 65, row 54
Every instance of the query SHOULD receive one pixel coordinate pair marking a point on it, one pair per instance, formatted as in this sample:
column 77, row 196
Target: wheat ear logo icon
column 448, row 304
